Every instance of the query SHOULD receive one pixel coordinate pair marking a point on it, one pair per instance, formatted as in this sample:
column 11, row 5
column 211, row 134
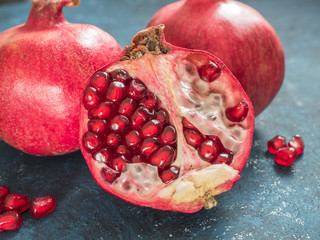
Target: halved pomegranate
column 177, row 136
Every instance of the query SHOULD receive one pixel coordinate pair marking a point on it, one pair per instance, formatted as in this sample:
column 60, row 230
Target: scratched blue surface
column 269, row 202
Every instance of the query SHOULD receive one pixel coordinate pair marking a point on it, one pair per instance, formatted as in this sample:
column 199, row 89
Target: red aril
column 297, row 143
column 42, row 206
column 234, row 32
column 286, row 156
column 16, row 202
column 176, row 91
column 44, row 66
column 10, row 220
column 276, row 143
column 4, row 191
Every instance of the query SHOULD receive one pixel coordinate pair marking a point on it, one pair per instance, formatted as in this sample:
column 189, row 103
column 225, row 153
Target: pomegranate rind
column 236, row 33
column 43, row 68
column 204, row 181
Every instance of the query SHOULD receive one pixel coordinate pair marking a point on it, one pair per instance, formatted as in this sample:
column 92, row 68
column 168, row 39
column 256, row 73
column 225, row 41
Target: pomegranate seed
column 168, row 174
column 224, row 157
column 297, row 143
column 162, row 116
column 237, row 113
column 121, row 75
column 151, row 129
column 105, row 111
column 116, row 92
column 113, row 140
column 275, row 143
column 100, row 81
column 127, row 107
column 208, row 150
column 110, row 174
column 136, row 89
column 91, row 98
column 132, row 139
column 16, row 202
column 104, row 155
column 149, row 146
column 187, row 124
column 209, row 72
column 150, row 101
column 163, row 157
column 192, row 137
column 4, row 191
column 10, row 221
column 1, row 207
column 119, row 163
column 137, row 159
column 122, row 150
column 119, row 123
column 42, row 206
column 98, row 126
column 140, row 116
column 169, row 135
column 91, row 141
column 286, row 156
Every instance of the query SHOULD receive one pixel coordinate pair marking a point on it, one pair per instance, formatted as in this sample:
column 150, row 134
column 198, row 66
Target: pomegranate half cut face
column 165, row 127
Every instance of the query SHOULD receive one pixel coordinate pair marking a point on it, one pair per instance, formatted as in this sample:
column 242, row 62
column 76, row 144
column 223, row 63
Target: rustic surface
column 269, row 201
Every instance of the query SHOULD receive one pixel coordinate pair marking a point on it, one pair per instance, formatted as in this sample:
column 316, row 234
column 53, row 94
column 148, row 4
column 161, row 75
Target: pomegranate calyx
column 48, row 13
column 148, row 40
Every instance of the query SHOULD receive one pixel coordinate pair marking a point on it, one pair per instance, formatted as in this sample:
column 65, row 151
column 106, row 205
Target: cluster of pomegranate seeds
column 285, row 154
column 128, row 125
column 209, row 148
column 13, row 204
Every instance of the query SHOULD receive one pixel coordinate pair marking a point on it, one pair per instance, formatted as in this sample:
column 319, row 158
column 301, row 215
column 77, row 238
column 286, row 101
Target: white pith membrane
column 174, row 78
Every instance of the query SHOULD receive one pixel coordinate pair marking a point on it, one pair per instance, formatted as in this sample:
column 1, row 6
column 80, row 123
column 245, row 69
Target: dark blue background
column 269, row 201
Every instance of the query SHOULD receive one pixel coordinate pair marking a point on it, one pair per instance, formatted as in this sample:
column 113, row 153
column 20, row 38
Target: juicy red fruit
column 276, row 143
column 237, row 113
column 10, row 220
column 235, row 33
column 4, row 191
column 42, row 206
column 177, row 149
column 297, row 143
column 134, row 133
column 16, row 202
column 286, row 156
column 44, row 66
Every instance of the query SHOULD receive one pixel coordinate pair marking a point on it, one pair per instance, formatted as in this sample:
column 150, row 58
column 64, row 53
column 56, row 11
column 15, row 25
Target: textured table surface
column 269, row 201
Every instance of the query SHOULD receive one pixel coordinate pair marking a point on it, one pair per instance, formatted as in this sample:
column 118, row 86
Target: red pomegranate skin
column 236, row 33
column 44, row 64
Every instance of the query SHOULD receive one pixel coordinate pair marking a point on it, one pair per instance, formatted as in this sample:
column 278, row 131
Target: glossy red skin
column 43, row 74
column 4, row 191
column 10, row 221
column 42, row 206
column 16, row 202
column 234, row 32
column 165, row 204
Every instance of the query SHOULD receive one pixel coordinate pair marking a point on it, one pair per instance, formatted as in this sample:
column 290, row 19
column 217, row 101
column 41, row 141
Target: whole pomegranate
column 165, row 127
column 234, row 32
column 44, row 65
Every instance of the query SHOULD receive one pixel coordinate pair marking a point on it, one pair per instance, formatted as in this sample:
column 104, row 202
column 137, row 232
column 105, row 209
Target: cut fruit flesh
column 172, row 75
